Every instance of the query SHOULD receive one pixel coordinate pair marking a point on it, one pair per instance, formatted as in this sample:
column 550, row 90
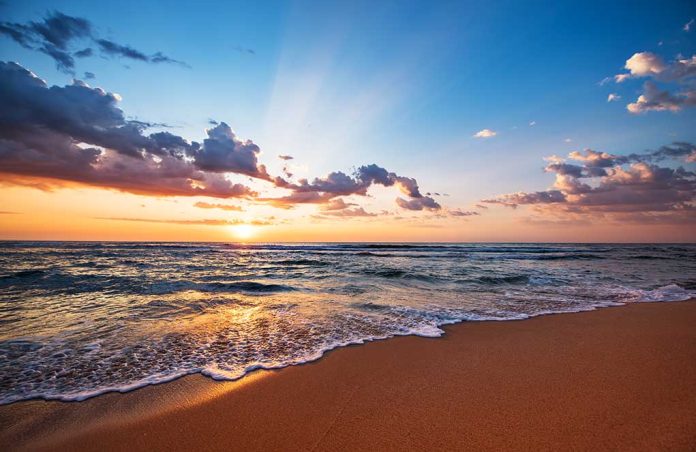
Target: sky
column 348, row 121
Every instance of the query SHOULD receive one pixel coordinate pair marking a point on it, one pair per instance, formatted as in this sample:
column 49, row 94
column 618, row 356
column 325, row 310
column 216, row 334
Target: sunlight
column 243, row 231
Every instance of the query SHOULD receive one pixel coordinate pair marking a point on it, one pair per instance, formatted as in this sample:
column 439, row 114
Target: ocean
column 80, row 319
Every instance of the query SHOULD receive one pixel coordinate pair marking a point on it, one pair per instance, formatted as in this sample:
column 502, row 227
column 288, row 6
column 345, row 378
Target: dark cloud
column 84, row 53
column 422, row 203
column 338, row 183
column 77, row 133
column 114, row 49
column 623, row 184
column 463, row 213
column 89, row 75
column 285, row 157
column 57, row 33
column 223, row 151
column 539, row 197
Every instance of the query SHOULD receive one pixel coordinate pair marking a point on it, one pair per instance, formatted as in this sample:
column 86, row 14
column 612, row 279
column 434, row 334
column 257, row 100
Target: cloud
column 227, row 207
column 648, row 64
column 223, row 152
column 462, row 213
column 57, row 33
column 337, row 204
column 423, row 203
column 614, row 185
column 205, row 222
column 681, row 72
column 532, row 123
column 351, row 212
column 687, row 26
column 613, row 97
column 79, row 134
column 645, row 64
column 89, row 75
column 539, row 197
column 295, row 198
column 285, row 157
column 654, row 99
column 485, row 133
column 337, row 183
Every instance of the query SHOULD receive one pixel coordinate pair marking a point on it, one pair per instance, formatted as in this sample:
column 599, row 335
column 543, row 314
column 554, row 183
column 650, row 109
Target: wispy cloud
column 204, row 222
column 227, row 207
column 57, row 34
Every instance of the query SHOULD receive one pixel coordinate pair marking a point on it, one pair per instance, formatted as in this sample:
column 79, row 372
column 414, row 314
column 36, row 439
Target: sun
column 243, row 231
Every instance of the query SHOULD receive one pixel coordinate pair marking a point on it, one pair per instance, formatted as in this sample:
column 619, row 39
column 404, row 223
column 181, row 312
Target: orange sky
column 85, row 213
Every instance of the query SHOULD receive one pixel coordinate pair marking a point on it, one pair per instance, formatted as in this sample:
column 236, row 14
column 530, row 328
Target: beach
column 617, row 378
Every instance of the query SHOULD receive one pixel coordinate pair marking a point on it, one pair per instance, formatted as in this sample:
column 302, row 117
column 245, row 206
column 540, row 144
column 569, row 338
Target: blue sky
column 401, row 84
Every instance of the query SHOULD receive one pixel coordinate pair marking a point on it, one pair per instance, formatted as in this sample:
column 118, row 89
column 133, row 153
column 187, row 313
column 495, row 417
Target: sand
column 614, row 379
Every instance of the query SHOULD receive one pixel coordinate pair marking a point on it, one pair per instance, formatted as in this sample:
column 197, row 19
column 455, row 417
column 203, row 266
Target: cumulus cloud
column 607, row 184
column 77, row 133
column 655, row 99
column 223, row 152
column 680, row 72
column 323, row 189
column 57, row 34
column 486, row 133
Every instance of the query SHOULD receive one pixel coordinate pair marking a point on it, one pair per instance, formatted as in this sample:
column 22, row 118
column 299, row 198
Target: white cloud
column 567, row 140
column 687, row 26
column 612, row 97
column 485, row 133
column 533, row 123
column 644, row 64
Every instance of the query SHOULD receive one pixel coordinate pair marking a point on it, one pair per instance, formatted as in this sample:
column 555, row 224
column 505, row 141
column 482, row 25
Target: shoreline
column 629, row 363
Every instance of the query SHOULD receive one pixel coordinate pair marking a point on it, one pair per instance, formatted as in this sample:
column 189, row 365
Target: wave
column 243, row 286
column 510, row 279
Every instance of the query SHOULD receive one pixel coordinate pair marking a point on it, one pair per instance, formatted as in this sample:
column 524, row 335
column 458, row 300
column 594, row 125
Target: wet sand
column 614, row 379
